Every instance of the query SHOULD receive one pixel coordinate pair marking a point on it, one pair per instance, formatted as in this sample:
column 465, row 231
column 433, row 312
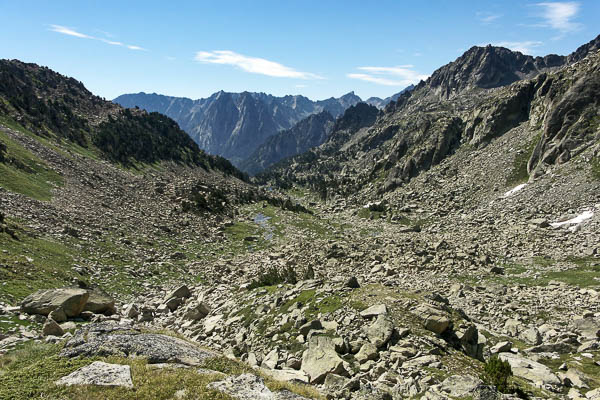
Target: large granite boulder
column 321, row 359
column 72, row 301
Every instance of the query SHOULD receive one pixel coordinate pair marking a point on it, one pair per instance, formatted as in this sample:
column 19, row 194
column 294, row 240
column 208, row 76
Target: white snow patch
column 514, row 190
column 578, row 220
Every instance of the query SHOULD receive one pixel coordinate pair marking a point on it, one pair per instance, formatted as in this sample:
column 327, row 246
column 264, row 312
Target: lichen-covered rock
column 100, row 374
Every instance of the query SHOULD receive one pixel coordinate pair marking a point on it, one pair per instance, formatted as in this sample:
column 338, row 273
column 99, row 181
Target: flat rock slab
column 374, row 311
column 251, row 387
column 109, row 338
column 100, row 374
column 530, row 370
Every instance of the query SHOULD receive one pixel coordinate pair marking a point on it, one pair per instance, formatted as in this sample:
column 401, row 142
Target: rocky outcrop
column 103, row 339
column 568, row 104
column 488, row 67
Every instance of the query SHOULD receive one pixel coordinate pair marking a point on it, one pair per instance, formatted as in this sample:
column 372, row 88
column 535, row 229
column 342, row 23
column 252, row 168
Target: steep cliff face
column 567, row 106
column 234, row 125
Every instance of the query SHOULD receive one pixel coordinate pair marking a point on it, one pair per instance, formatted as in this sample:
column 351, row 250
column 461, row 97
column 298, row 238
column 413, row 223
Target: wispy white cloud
column 525, row 47
column 68, row 31
column 487, row 18
column 560, row 15
column 402, row 75
column 253, row 65
column 71, row 32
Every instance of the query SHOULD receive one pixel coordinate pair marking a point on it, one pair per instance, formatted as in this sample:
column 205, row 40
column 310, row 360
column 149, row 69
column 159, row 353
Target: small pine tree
column 497, row 372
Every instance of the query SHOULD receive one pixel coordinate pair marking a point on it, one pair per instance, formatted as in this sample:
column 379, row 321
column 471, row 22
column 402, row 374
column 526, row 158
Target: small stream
column 263, row 221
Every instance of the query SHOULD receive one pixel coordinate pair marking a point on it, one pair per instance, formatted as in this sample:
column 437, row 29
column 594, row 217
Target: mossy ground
column 583, row 272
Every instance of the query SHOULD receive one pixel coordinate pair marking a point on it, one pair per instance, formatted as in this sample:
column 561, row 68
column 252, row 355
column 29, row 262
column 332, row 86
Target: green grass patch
column 23, row 172
column 11, row 323
column 582, row 272
column 32, row 263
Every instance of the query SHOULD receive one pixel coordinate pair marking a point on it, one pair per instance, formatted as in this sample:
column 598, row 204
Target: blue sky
column 315, row 48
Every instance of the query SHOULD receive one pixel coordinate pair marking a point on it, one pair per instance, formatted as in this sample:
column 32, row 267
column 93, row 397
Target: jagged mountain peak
column 488, row 67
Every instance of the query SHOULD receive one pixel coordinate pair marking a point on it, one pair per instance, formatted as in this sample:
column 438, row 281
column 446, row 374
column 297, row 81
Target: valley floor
column 449, row 269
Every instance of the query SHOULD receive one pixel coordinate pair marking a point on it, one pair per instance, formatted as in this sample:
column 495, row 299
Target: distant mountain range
column 235, row 125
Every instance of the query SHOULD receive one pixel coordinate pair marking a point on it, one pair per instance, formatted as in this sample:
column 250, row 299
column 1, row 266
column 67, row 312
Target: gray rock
column 380, row 331
column 173, row 303
column 578, row 379
column 58, row 315
column 588, row 327
column 513, row 327
column 196, row 311
column 367, row 352
column 43, row 302
column 287, row 375
column 109, row 338
column 434, row 319
column 51, row 328
column 211, row 323
column 131, row 311
column 270, row 361
column 315, row 324
column 100, row 303
column 182, row 292
column 374, row 311
column 321, row 359
column 419, row 362
column 100, row 374
column 460, row 385
column 531, row 336
column 250, row 387
column 501, row 347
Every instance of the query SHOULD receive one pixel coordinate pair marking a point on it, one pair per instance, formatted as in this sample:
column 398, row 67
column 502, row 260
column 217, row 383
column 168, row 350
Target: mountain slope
column 233, row 125
column 60, row 108
column 465, row 102
column 308, row 133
